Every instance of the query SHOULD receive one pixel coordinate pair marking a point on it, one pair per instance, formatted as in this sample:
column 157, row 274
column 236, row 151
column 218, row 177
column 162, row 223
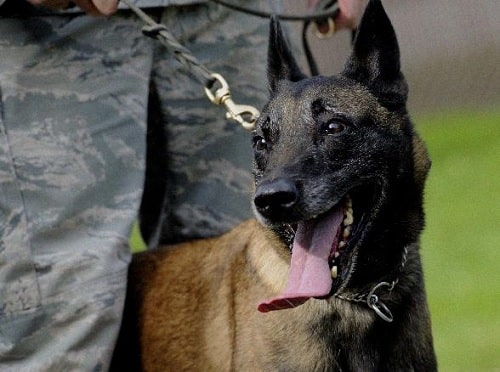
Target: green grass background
column 461, row 243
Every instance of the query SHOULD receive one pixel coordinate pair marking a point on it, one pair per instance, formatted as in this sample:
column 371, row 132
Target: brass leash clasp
column 246, row 115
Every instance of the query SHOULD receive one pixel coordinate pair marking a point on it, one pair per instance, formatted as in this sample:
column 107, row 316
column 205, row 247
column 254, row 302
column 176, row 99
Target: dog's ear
column 281, row 64
column 375, row 60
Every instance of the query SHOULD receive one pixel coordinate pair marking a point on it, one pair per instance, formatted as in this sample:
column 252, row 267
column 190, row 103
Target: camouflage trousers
column 73, row 107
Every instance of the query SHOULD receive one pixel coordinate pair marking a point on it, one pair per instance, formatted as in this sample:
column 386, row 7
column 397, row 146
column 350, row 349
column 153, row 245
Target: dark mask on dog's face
column 328, row 153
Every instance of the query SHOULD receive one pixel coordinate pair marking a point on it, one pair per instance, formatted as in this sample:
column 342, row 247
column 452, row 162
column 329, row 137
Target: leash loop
column 378, row 306
column 246, row 115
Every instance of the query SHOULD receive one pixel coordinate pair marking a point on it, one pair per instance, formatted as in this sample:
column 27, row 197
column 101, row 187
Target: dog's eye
column 333, row 127
column 259, row 143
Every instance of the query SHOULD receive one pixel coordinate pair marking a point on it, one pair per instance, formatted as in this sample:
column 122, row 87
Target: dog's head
column 339, row 170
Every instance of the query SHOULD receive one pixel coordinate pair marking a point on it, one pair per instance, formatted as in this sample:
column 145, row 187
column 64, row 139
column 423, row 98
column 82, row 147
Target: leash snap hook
column 378, row 306
column 246, row 115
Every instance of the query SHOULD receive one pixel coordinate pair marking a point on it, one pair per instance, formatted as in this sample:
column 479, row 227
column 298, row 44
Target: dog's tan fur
column 198, row 307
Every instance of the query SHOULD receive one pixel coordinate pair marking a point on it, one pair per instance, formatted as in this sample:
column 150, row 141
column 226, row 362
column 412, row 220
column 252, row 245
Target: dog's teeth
column 347, row 232
column 336, row 254
column 334, row 272
column 342, row 244
column 348, row 219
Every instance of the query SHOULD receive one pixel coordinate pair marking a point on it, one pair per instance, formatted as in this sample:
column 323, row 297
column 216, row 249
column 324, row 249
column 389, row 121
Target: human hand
column 349, row 15
column 92, row 7
column 348, row 18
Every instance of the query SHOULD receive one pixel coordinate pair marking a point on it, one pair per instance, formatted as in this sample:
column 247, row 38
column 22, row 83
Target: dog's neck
column 393, row 239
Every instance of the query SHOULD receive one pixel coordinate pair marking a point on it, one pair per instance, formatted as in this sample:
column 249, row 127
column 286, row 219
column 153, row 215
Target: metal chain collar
column 371, row 299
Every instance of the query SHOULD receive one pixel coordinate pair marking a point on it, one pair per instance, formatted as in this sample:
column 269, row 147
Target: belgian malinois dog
column 330, row 278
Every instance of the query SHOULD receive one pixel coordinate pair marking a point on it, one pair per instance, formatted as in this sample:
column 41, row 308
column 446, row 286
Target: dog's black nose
column 275, row 198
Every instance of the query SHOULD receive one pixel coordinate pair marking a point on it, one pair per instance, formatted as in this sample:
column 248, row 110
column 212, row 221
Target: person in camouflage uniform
column 74, row 93
column 73, row 112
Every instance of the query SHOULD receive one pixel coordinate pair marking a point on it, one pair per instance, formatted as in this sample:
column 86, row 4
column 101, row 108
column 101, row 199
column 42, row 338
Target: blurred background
column 450, row 52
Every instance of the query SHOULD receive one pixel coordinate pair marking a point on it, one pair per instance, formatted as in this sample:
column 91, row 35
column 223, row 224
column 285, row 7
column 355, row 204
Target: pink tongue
column 309, row 274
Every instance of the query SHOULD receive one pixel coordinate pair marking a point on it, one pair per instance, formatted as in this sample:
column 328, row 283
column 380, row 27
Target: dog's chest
column 295, row 340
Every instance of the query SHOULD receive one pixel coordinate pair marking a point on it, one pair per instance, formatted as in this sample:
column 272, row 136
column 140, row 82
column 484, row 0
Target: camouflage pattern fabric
column 73, row 98
column 209, row 157
column 73, row 105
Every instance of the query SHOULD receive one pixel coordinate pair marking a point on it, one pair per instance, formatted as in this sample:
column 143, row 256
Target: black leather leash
column 322, row 19
column 327, row 9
